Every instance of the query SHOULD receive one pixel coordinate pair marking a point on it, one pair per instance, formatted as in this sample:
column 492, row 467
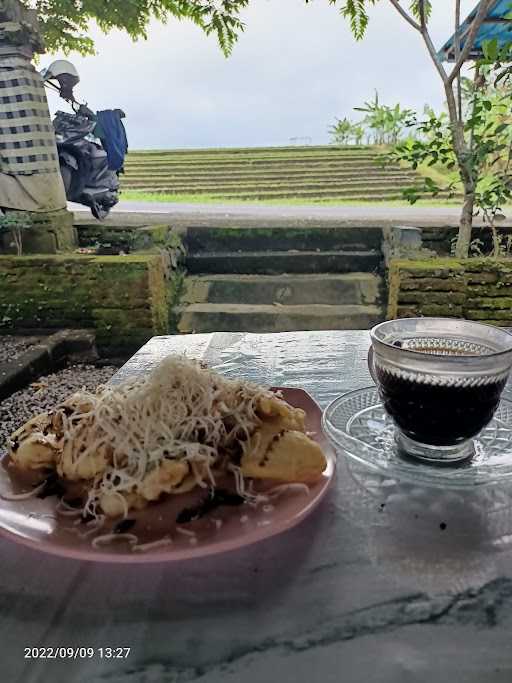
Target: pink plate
column 37, row 524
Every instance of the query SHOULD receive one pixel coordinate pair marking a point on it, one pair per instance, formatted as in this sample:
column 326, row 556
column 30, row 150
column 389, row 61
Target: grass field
column 290, row 175
column 131, row 195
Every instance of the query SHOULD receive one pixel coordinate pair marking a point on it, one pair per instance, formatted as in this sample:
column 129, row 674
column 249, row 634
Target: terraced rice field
column 271, row 173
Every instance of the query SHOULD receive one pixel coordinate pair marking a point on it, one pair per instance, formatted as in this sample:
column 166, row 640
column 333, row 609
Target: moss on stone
column 491, row 290
column 123, row 297
column 426, row 298
column 433, row 285
column 502, row 302
column 158, row 296
column 47, row 260
column 488, row 314
column 479, row 289
column 393, row 290
column 176, row 293
column 429, row 265
column 50, row 232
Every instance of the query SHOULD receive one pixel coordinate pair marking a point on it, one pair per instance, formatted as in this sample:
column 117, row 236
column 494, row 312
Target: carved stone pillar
column 30, row 177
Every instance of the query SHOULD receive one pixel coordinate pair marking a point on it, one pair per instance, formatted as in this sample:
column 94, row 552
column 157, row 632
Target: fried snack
column 274, row 407
column 279, row 449
column 167, row 433
column 282, row 454
column 169, row 477
column 33, row 447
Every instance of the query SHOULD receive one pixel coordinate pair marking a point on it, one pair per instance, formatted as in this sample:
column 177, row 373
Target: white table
column 349, row 596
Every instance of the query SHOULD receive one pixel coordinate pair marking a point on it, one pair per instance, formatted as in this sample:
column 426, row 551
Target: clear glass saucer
column 358, row 427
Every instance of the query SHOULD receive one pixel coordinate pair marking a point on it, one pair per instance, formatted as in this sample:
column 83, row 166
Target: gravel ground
column 45, row 393
column 12, row 347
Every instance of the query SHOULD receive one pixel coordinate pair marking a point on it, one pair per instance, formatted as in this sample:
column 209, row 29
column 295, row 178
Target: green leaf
column 355, row 11
column 490, row 49
column 427, row 8
column 65, row 23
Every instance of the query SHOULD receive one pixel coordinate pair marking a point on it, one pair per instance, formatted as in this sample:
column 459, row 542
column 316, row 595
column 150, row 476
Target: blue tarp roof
column 494, row 26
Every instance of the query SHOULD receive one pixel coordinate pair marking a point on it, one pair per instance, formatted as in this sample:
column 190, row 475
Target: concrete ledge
column 279, row 262
column 46, row 357
column 52, row 232
column 277, row 318
column 322, row 288
column 205, row 239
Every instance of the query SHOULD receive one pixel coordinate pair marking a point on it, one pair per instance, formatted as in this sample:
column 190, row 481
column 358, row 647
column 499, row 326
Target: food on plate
column 282, row 454
column 181, row 427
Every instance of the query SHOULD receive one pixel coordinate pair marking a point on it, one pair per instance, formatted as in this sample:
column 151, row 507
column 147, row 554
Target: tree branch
column 430, row 45
column 477, row 22
column 457, row 55
column 407, row 17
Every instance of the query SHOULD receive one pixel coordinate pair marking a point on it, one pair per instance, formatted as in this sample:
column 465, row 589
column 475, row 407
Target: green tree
column 358, row 132
column 15, row 223
column 387, row 123
column 64, row 23
column 418, row 19
column 342, row 132
column 489, row 133
column 345, row 131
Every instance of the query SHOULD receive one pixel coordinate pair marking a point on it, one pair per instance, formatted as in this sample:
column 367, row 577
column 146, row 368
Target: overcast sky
column 294, row 70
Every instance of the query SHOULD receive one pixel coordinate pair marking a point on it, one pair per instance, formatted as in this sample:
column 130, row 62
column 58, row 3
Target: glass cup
column 440, row 380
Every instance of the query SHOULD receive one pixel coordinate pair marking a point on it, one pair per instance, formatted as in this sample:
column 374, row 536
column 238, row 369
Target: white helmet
column 61, row 68
column 66, row 76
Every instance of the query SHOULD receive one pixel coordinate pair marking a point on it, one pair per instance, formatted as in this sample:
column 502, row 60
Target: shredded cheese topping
column 183, row 421
column 109, row 538
column 143, row 547
column 181, row 412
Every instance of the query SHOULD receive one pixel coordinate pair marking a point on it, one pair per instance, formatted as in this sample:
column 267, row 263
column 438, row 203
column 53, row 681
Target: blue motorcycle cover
column 112, row 134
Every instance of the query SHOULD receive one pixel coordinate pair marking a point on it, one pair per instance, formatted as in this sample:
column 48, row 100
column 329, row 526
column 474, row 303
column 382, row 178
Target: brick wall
column 476, row 289
column 124, row 298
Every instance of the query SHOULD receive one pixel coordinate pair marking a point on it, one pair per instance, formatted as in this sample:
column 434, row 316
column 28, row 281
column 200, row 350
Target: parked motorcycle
column 91, row 146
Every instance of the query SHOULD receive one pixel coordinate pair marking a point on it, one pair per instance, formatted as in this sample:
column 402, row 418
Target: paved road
column 369, row 214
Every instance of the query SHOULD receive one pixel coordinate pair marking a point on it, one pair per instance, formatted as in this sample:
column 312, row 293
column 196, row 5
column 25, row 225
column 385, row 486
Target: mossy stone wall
column 124, row 298
column 52, row 232
column 475, row 289
column 442, row 239
column 129, row 238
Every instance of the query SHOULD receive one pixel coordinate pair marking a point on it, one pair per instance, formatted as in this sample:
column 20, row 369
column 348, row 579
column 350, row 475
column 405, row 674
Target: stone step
column 255, row 190
column 213, row 175
column 231, row 239
column 328, row 178
column 324, row 288
column 203, row 318
column 367, row 196
column 366, row 187
column 303, row 168
column 195, row 151
column 254, row 152
column 258, row 161
column 392, row 191
column 296, row 149
column 280, row 262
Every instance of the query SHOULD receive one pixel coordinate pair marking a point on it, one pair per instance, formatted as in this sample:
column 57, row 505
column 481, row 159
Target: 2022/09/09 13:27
column 62, row 652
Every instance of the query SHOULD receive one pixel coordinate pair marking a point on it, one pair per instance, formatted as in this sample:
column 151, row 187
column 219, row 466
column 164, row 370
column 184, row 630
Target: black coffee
column 437, row 415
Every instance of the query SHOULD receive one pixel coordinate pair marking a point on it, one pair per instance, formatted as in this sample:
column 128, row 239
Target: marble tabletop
column 354, row 594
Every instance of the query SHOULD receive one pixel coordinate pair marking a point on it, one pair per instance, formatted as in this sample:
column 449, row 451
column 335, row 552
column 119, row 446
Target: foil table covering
column 357, row 593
